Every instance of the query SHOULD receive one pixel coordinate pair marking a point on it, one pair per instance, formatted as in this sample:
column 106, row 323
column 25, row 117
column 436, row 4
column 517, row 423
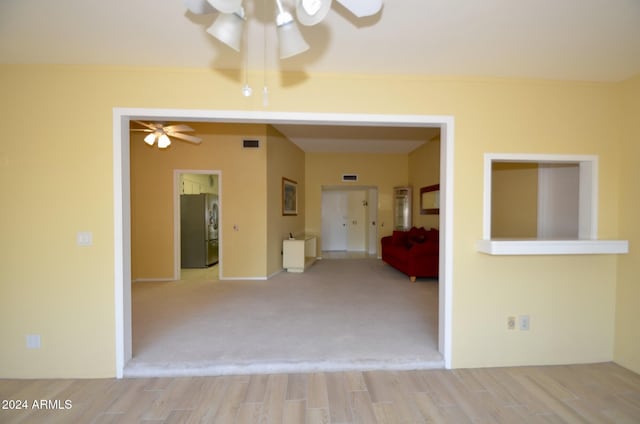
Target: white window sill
column 552, row 247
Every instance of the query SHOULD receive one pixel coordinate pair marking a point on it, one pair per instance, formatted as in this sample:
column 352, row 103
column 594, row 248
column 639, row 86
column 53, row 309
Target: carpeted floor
column 340, row 314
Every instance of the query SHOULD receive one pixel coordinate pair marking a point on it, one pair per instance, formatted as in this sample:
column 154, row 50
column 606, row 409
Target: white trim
column 122, row 207
column 486, row 197
column 118, row 244
column 445, row 313
column 553, row 247
column 147, row 280
column 122, row 242
column 300, row 118
column 280, row 271
column 177, row 249
column 244, row 278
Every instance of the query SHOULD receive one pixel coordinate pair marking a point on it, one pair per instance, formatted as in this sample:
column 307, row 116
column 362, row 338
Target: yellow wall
column 284, row 159
column 514, row 200
column 243, row 190
column 627, row 349
column 424, row 170
column 57, row 127
column 383, row 171
column 570, row 300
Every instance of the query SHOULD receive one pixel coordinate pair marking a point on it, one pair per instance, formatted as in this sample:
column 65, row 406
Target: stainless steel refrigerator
column 198, row 230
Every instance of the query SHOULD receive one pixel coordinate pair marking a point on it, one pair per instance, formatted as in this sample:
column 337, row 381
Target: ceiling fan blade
column 199, row 7
column 186, row 137
column 179, row 128
column 144, row 124
column 362, row 8
column 141, row 129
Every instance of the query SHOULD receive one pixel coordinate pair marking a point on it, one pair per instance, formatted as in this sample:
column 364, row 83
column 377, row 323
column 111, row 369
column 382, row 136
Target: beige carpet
column 340, row 314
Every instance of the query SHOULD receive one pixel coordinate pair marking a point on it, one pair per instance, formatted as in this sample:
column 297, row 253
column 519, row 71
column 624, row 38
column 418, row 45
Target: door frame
column 122, row 200
column 176, row 217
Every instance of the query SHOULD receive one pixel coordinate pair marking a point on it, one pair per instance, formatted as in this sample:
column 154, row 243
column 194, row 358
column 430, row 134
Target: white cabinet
column 299, row 253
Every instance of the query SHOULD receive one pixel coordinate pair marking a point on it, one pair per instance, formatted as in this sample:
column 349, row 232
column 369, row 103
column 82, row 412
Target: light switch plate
column 524, row 322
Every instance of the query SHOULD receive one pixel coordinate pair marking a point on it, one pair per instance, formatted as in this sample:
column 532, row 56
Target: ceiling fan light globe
column 312, row 12
column 163, row 141
column 290, row 40
column 362, row 8
column 150, row 139
column 311, row 7
column 228, row 28
column 226, row 6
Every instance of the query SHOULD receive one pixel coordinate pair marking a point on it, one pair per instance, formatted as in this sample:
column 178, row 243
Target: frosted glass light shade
column 150, row 139
column 290, row 40
column 228, row 29
column 199, row 7
column 226, row 6
column 311, row 12
column 362, row 8
column 163, row 141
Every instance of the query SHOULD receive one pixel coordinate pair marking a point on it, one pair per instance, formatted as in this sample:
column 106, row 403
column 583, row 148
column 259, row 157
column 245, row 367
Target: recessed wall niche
column 540, row 197
column 535, row 200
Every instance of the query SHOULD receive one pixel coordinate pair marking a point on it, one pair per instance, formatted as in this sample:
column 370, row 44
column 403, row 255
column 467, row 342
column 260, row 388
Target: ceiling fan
column 228, row 26
column 161, row 132
column 305, row 8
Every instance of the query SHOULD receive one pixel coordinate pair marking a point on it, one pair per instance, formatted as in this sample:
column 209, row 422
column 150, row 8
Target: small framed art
column 289, row 197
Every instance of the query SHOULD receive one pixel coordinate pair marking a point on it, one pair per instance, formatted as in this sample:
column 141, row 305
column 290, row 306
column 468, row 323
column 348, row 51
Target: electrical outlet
column 33, row 341
column 84, row 238
column 511, row 323
column 524, row 322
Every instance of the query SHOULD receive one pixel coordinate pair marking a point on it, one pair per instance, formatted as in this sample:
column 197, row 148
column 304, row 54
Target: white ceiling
column 597, row 40
column 358, row 139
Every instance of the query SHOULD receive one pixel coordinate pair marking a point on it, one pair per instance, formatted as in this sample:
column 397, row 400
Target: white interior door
column 357, row 221
column 334, row 220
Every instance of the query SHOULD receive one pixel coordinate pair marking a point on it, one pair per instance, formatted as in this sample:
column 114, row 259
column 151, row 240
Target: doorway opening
column 197, row 219
column 122, row 218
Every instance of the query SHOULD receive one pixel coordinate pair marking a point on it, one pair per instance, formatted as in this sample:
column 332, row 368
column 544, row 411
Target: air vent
column 349, row 177
column 251, row 144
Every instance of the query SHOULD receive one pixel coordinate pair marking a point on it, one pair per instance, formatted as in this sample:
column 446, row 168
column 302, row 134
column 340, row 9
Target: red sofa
column 414, row 252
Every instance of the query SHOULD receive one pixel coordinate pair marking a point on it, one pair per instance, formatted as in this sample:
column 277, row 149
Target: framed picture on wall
column 289, row 197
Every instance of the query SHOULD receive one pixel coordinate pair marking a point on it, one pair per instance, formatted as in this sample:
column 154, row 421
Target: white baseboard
column 221, row 278
column 148, row 280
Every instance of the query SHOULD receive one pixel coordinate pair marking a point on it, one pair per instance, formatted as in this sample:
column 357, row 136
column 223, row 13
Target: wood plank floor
column 595, row 393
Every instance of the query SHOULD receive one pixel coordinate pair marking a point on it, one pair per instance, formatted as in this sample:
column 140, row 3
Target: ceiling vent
column 349, row 178
column 251, row 144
